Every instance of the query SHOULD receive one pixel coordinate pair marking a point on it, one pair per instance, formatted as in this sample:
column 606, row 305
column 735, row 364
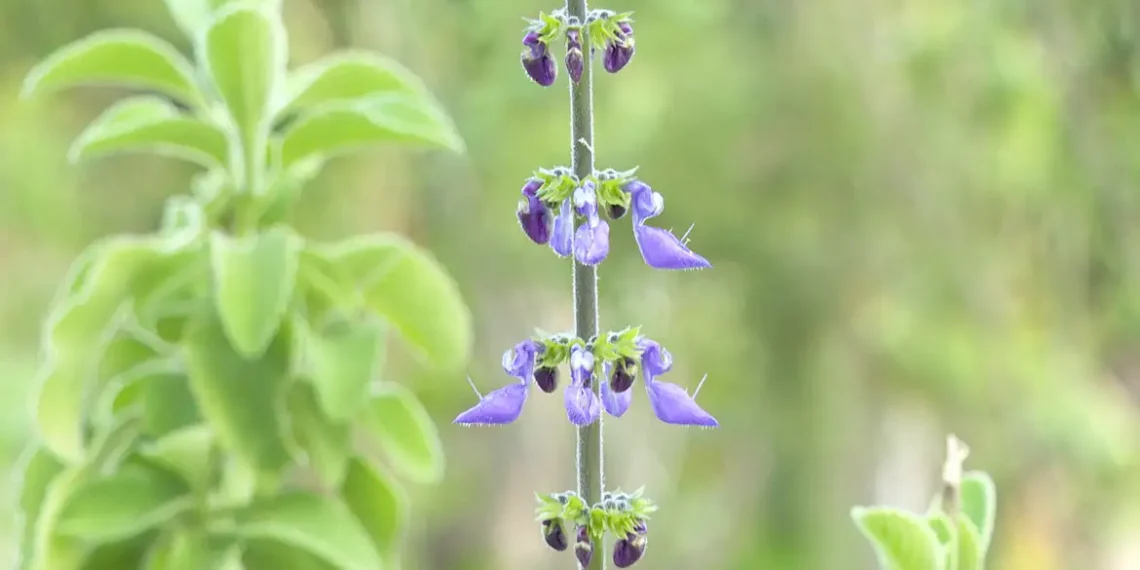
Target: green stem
column 590, row 456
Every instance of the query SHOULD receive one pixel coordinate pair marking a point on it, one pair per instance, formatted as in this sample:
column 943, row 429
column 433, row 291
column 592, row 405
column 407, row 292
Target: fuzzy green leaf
column 338, row 128
column 38, row 470
column 240, row 399
column 380, row 506
column 325, row 441
column 151, row 124
column 342, row 362
column 903, row 541
column 188, row 452
column 253, row 279
column 405, row 432
column 122, row 505
column 130, row 58
column 322, row 526
column 193, row 15
column 409, row 288
column 979, row 504
column 349, row 75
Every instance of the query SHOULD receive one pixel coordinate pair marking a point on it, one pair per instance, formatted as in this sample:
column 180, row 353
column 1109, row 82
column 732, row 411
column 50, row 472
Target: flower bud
column 630, row 549
column 620, row 51
column 554, row 535
column 615, row 211
column 536, row 60
column 584, row 547
column 625, row 371
column 546, row 378
column 574, row 55
column 536, row 219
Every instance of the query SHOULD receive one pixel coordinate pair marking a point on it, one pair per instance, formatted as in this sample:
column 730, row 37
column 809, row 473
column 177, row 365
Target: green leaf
column 405, row 432
column 37, row 472
column 409, row 288
column 325, row 441
column 77, row 330
column 903, row 541
column 50, row 550
column 338, row 128
column 244, row 50
column 122, row 505
column 119, row 555
column 349, row 75
column 192, row 15
column 168, row 404
column 379, row 504
column 188, row 452
column 130, row 58
column 151, row 124
column 269, row 555
column 342, row 362
column 187, row 548
column 323, row 526
column 321, row 275
column 253, row 279
column 970, row 553
column 240, row 399
column 979, row 504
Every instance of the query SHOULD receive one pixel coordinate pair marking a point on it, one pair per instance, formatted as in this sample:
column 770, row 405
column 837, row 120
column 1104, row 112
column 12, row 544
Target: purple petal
column 645, row 202
column 615, row 403
column 519, row 361
column 582, row 405
column 535, row 218
column 592, row 244
column 581, row 366
column 673, row 405
column 655, row 359
column 586, row 200
column 502, row 406
column 562, row 240
column 662, row 250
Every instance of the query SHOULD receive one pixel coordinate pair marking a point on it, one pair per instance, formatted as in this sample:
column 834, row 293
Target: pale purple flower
column 619, row 51
column 504, row 405
column 536, row 219
column 582, row 404
column 537, row 61
column 613, row 401
column 659, row 247
column 562, row 240
column 670, row 402
column 592, row 238
column 574, row 55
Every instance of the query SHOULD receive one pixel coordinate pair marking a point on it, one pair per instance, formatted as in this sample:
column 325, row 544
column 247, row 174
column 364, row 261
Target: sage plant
column 208, row 398
column 570, row 209
column 954, row 534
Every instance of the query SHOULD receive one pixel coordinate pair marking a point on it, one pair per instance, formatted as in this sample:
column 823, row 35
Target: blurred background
column 919, row 215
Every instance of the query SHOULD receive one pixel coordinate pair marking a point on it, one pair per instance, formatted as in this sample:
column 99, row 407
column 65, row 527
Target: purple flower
column 504, row 405
column 562, row 240
column 546, row 378
column 620, row 50
column 616, row 402
column 584, row 547
column 574, row 55
column 535, row 218
column 582, row 404
column 592, row 238
column 554, row 535
column 659, row 247
column 630, row 549
column 670, row 402
column 536, row 60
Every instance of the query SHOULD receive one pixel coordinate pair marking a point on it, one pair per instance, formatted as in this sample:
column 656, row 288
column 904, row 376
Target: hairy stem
column 590, row 457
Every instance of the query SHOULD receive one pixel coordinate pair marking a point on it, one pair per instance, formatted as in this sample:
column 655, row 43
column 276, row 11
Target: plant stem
column 590, row 456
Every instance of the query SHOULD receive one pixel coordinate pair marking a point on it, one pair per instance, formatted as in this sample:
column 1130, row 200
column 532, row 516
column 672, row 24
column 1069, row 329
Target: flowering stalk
column 569, row 210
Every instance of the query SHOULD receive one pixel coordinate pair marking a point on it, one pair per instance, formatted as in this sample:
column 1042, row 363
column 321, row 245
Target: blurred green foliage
column 919, row 215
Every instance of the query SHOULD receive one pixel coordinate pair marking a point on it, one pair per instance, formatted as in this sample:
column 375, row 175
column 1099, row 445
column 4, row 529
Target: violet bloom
column 582, row 405
column 562, row 239
column 659, row 247
column 670, row 402
column 537, row 61
column 616, row 395
column 592, row 238
column 536, row 219
column 620, row 51
column 504, row 405
column 574, row 55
